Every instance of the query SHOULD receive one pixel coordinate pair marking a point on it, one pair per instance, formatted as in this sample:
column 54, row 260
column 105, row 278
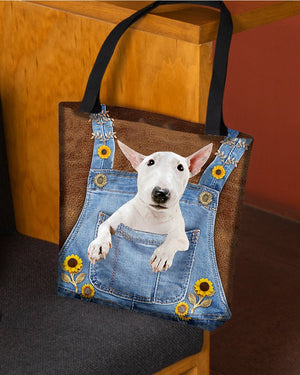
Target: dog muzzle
column 160, row 195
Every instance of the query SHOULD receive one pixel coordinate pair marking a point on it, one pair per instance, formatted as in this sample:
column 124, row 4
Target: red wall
column 262, row 98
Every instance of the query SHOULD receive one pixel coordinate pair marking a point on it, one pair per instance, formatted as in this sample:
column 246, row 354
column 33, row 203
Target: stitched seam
column 156, row 286
column 101, row 219
column 138, row 298
column 98, row 190
column 114, row 172
column 76, row 229
column 214, row 317
column 193, row 237
column 115, row 264
column 198, row 204
column 213, row 260
column 187, row 272
column 138, row 240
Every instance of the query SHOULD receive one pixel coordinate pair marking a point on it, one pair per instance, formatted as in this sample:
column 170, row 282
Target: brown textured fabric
column 146, row 133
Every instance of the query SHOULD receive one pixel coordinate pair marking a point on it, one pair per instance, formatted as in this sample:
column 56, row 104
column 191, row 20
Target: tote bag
column 96, row 180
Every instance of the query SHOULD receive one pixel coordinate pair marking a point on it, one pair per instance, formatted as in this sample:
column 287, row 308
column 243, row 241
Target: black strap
column 214, row 118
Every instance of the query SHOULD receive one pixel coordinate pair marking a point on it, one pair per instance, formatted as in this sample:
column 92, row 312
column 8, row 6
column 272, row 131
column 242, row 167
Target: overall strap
column 227, row 158
column 104, row 143
column 214, row 119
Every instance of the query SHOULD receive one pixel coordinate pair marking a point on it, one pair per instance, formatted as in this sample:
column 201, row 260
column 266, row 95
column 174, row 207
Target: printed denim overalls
column 191, row 290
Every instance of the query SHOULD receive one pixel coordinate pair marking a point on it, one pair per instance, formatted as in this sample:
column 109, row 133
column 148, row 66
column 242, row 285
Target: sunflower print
column 87, row 291
column 203, row 287
column 181, row 309
column 104, row 152
column 72, row 263
column 218, row 172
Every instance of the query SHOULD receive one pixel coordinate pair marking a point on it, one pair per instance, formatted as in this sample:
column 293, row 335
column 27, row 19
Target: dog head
column 163, row 176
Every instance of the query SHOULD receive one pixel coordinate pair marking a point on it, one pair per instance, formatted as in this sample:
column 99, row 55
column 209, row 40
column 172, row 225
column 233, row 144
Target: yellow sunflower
column 203, row 287
column 104, row 152
column 72, row 263
column 87, row 291
column 181, row 309
column 218, row 172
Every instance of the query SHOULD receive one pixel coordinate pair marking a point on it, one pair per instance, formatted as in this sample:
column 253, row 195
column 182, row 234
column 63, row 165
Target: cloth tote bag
column 96, row 179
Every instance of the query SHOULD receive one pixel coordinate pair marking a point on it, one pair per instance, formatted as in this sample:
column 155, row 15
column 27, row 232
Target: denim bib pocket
column 126, row 271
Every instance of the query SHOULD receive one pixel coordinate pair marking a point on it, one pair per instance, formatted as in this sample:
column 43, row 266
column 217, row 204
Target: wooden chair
column 49, row 62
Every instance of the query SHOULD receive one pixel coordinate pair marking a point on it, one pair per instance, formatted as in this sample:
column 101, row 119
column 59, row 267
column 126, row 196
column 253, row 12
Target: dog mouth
column 158, row 207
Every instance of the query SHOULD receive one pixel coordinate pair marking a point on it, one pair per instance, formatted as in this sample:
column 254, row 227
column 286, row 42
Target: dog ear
column 134, row 157
column 198, row 159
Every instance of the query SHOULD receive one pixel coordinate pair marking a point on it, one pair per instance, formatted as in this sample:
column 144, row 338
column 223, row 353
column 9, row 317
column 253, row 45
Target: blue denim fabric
column 125, row 278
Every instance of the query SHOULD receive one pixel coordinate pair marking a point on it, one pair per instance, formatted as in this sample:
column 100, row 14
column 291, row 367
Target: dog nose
column 160, row 195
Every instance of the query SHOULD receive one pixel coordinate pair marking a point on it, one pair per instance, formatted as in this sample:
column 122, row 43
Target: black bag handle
column 214, row 118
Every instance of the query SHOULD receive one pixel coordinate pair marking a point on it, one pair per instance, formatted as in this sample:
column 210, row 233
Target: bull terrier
column 162, row 179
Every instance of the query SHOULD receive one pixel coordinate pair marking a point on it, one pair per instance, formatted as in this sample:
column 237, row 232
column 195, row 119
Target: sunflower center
column 87, row 291
column 204, row 286
column 218, row 171
column 104, row 152
column 181, row 309
column 72, row 262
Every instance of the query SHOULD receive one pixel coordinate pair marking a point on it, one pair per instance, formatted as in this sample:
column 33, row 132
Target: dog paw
column 161, row 259
column 99, row 248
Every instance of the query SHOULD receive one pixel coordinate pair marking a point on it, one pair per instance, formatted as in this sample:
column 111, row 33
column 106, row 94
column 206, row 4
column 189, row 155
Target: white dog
column 162, row 179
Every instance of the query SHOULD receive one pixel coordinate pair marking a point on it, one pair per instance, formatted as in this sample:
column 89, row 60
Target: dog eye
column 180, row 167
column 151, row 162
